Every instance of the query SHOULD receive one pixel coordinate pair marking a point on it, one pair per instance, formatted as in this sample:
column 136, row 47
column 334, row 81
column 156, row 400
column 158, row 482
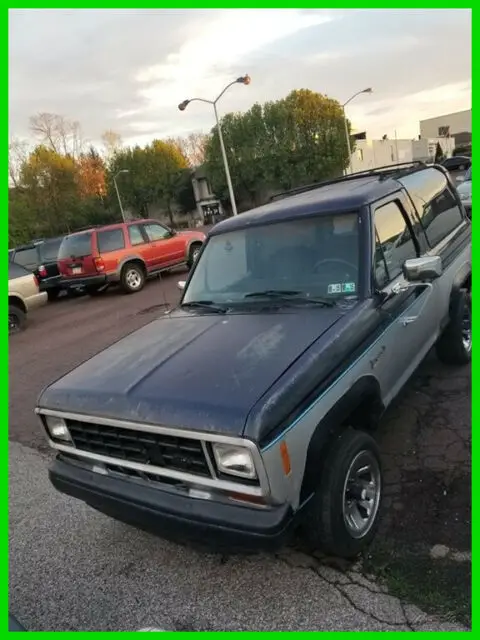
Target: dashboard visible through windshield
column 310, row 258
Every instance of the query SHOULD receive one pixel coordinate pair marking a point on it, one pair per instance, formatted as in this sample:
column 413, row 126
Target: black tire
column 326, row 524
column 454, row 347
column 53, row 294
column 132, row 279
column 193, row 253
column 17, row 319
column 96, row 291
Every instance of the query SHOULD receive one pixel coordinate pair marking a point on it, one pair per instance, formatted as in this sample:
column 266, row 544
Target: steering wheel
column 350, row 265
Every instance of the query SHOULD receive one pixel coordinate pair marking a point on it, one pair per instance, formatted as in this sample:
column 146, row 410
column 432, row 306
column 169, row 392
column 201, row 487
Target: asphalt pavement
column 72, row 568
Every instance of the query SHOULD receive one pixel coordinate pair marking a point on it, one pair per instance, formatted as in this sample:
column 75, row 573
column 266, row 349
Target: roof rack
column 387, row 171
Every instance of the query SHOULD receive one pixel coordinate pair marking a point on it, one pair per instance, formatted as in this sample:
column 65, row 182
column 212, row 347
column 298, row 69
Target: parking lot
column 97, row 574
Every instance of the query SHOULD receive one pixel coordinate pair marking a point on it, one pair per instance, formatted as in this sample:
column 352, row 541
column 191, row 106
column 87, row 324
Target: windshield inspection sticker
column 334, row 288
column 348, row 287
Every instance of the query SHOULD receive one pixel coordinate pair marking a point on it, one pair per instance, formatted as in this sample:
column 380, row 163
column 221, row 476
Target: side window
column 394, row 243
column 135, row 234
column 110, row 240
column 156, row 232
column 440, row 217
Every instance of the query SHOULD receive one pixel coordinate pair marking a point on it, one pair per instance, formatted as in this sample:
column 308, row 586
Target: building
column 209, row 207
column 369, row 154
column 456, row 125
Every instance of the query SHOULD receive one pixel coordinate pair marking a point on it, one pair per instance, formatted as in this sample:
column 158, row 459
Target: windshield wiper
column 272, row 293
column 291, row 296
column 203, row 304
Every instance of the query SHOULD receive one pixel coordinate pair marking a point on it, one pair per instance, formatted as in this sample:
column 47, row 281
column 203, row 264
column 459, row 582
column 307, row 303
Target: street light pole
column 118, row 192
column 347, row 132
column 183, row 105
column 225, row 163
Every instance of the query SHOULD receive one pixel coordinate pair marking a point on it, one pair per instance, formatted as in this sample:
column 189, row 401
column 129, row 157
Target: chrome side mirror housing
column 421, row 269
column 181, row 285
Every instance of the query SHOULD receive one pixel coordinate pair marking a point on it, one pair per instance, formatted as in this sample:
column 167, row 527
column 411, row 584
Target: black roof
column 345, row 194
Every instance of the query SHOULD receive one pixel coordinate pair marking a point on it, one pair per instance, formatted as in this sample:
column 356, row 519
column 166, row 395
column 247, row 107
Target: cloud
column 128, row 69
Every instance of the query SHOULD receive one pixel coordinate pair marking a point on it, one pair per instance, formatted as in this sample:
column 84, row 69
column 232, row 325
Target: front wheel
column 17, row 319
column 193, row 254
column 454, row 347
column 132, row 278
column 344, row 511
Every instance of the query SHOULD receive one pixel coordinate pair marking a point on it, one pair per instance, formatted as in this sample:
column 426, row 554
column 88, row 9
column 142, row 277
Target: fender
column 128, row 258
column 361, row 406
column 189, row 244
column 461, row 281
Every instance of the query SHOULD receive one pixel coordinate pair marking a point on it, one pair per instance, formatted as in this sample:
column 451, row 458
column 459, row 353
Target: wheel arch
column 16, row 301
column 360, row 407
column 135, row 259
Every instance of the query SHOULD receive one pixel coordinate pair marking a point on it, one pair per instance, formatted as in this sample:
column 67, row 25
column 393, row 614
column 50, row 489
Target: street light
column 347, row 133
column 118, row 192
column 183, row 105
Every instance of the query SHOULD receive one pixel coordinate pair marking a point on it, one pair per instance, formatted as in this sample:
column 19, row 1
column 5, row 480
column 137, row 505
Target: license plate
column 76, row 270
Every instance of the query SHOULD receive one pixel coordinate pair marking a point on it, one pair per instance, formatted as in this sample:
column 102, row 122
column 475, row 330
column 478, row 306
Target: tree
column 279, row 145
column 57, row 133
column 112, row 143
column 91, row 175
column 17, row 154
column 193, row 148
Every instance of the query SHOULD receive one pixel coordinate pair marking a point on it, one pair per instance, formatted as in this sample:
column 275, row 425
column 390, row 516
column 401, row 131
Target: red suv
column 125, row 254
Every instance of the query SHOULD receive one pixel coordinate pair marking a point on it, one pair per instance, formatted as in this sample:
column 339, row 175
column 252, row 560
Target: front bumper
column 84, row 281
column 205, row 523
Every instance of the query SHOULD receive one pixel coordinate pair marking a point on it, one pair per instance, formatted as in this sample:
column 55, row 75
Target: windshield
column 76, row 246
column 314, row 257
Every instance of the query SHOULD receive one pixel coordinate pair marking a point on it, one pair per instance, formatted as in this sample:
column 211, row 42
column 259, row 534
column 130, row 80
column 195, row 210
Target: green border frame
column 222, row 4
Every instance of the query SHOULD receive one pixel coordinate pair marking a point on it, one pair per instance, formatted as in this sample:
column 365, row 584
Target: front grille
column 160, row 450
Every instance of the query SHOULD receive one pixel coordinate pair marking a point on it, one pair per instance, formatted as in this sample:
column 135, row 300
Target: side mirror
column 181, row 285
column 421, row 269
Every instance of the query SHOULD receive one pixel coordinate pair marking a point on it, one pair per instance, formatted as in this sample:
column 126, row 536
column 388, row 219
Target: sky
column 128, row 69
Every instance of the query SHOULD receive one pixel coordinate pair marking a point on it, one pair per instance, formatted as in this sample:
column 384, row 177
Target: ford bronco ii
column 252, row 407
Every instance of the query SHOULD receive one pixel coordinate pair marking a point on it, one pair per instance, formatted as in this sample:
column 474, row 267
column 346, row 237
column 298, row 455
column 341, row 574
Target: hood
column 192, row 371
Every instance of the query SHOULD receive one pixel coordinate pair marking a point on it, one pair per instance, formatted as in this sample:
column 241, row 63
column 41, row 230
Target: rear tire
column 454, row 347
column 343, row 516
column 193, row 254
column 17, row 319
column 132, row 279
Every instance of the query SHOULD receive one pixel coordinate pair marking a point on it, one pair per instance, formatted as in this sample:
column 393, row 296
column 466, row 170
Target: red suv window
column 110, row 240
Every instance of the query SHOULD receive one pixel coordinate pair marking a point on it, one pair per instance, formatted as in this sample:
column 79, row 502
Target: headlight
column 58, row 429
column 235, row 461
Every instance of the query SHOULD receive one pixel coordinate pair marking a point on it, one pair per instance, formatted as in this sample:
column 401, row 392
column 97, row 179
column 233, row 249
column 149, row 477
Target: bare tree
column 112, row 142
column 58, row 133
column 17, row 155
column 193, row 147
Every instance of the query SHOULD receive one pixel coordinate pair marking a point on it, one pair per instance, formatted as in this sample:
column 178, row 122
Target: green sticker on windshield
column 348, row 287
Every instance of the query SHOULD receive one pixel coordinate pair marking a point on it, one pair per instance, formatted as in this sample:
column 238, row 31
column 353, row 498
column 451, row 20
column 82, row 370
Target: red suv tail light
column 99, row 264
column 42, row 271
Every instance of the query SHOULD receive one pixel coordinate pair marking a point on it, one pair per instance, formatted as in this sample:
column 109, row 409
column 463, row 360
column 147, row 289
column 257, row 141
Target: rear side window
column 110, row 240
column 16, row 271
column 49, row 250
column 440, row 217
column 27, row 257
column 76, row 246
column 393, row 244
column 135, row 234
